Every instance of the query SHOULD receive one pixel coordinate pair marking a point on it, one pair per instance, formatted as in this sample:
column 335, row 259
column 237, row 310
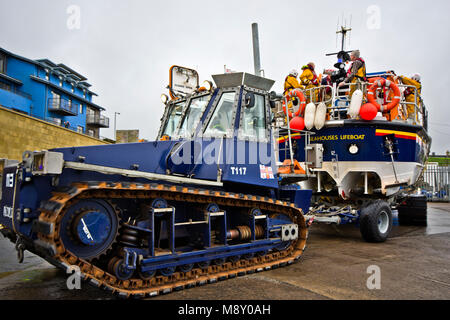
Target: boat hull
column 357, row 160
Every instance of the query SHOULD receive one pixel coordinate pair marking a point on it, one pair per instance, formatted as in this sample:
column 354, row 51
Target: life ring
column 298, row 94
column 381, row 83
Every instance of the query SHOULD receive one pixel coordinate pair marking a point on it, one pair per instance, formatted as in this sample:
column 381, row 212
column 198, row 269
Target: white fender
column 321, row 114
column 310, row 113
column 356, row 103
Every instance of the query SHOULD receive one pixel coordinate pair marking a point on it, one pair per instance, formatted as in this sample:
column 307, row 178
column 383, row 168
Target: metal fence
column 435, row 182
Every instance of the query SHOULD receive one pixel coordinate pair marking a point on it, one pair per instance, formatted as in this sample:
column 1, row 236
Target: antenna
column 337, row 29
column 350, row 32
column 345, row 31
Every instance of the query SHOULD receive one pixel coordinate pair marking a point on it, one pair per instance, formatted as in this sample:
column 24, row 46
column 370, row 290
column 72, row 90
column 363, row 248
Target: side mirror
column 249, row 100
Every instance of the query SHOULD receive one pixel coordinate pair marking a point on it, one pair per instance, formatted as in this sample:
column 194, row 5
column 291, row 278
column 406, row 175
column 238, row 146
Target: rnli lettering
column 338, row 137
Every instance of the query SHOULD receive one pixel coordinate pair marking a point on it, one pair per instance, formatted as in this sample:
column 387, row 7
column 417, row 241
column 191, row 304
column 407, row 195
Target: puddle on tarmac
column 39, row 275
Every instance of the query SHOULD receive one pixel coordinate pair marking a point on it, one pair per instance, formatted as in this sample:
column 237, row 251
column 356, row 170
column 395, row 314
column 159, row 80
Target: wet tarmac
column 414, row 264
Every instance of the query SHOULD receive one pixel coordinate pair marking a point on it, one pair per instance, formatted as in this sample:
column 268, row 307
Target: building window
column 47, row 76
column 91, row 133
column 56, row 99
column 2, row 63
column 5, row 86
column 80, row 129
column 81, row 108
column 73, row 89
column 60, row 81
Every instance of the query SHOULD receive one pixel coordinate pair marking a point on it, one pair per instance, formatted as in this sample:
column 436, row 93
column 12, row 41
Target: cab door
column 237, row 133
column 254, row 158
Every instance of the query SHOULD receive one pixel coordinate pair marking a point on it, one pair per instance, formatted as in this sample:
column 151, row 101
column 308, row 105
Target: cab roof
column 236, row 79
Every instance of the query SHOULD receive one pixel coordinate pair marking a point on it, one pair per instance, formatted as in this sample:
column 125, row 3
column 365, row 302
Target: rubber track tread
column 53, row 210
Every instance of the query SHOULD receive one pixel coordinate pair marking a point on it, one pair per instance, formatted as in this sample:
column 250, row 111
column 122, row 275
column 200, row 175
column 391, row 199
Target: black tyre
column 412, row 211
column 376, row 221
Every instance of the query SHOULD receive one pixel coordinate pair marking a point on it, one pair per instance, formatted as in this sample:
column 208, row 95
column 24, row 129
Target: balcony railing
column 97, row 120
column 63, row 106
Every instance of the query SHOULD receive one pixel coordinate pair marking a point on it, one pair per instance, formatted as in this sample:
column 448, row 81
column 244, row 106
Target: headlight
column 164, row 98
column 47, row 162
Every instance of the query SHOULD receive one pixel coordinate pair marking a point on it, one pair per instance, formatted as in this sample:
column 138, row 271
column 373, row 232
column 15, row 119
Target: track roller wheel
column 146, row 275
column 186, row 267
column 219, row 261
column 248, row 256
column 204, row 264
column 167, row 271
column 120, row 270
column 234, row 258
column 111, row 264
column 261, row 253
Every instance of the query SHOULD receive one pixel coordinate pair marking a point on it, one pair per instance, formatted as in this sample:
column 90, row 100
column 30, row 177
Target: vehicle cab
column 225, row 130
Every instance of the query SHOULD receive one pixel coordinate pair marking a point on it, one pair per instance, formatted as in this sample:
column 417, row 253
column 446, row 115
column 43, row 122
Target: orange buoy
column 298, row 94
column 381, row 83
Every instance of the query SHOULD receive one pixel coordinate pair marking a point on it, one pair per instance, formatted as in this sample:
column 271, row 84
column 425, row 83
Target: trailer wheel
column 376, row 221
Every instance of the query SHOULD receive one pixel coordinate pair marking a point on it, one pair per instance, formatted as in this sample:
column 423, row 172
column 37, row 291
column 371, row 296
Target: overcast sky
column 125, row 48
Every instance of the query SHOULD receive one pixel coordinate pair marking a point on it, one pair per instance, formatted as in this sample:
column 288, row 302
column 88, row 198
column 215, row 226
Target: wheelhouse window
column 254, row 119
column 193, row 114
column 174, row 116
column 221, row 121
column 2, row 63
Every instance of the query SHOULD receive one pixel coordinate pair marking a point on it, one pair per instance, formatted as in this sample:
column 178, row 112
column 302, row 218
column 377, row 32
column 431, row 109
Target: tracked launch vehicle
column 201, row 203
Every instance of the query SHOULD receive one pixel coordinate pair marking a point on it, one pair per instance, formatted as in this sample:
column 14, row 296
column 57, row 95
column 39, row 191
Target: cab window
column 193, row 114
column 221, row 120
column 175, row 113
column 253, row 123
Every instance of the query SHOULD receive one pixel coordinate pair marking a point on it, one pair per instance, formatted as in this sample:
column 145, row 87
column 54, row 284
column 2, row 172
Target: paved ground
column 414, row 264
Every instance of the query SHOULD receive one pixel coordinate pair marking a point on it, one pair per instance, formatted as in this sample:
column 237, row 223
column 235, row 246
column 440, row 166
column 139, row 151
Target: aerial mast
column 343, row 30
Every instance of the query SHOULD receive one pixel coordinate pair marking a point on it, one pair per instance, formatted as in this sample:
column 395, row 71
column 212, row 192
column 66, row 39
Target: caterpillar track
column 52, row 211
